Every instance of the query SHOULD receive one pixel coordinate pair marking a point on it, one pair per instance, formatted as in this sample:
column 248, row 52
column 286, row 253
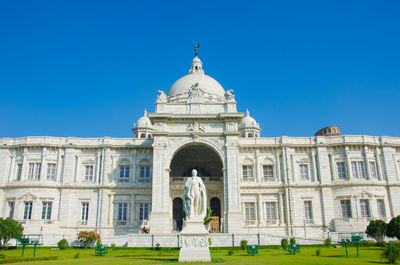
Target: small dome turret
column 248, row 127
column 143, row 128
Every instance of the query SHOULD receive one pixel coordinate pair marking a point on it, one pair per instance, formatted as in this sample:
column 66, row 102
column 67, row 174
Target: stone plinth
column 194, row 242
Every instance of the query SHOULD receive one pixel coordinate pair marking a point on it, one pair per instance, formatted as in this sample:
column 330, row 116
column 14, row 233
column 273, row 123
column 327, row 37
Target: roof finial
column 145, row 112
column 247, row 112
column 196, row 48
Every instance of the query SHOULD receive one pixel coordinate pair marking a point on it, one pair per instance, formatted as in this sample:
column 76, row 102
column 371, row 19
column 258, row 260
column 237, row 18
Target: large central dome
column 196, row 76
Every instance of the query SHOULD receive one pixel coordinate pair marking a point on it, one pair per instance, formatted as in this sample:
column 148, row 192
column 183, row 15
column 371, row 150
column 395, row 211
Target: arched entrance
column 209, row 167
column 177, row 209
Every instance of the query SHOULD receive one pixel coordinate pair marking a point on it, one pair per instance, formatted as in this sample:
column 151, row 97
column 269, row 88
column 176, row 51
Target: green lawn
column 368, row 255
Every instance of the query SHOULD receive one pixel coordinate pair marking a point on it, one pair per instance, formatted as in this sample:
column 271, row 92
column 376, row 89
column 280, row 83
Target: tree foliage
column 9, row 228
column 377, row 230
column 393, row 228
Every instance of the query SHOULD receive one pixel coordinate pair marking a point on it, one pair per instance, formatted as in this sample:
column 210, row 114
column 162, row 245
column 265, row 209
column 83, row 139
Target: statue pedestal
column 194, row 242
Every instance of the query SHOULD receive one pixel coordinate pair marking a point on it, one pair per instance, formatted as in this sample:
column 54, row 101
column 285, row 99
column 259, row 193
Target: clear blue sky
column 90, row 68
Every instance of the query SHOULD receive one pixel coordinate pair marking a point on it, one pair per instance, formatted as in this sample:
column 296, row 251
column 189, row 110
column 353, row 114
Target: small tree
column 9, row 228
column 391, row 253
column 376, row 229
column 284, row 243
column 292, row 240
column 88, row 237
column 393, row 228
column 243, row 244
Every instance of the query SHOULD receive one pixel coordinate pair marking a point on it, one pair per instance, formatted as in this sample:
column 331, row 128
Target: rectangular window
column 268, row 173
column 248, row 173
column 28, row 210
column 346, row 209
column 85, row 212
column 341, row 170
column 123, row 174
column 122, row 211
column 46, row 210
column 372, row 169
column 381, row 208
column 34, row 171
column 19, row 171
column 358, row 169
column 250, row 211
column 364, row 206
column 11, row 206
column 89, row 173
column 51, row 171
column 308, row 211
column 144, row 174
column 270, row 211
column 304, row 172
column 143, row 211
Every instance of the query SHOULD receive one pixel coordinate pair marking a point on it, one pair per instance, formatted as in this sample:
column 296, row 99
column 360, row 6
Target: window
column 19, row 171
column 250, row 211
column 372, row 169
column 46, row 210
column 89, row 173
column 381, row 208
column 143, row 211
column 358, row 169
column 122, row 211
column 11, row 206
column 34, row 171
column 51, row 171
column 144, row 174
column 364, row 205
column 270, row 211
column 341, row 170
column 85, row 212
column 308, row 212
column 268, row 173
column 123, row 174
column 28, row 210
column 346, row 209
column 248, row 173
column 304, row 172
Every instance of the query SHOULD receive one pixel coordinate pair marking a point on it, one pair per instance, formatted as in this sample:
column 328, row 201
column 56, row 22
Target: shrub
column 98, row 242
column 88, row 237
column 284, row 243
column 318, row 252
column 391, row 253
column 9, row 228
column 328, row 242
column 243, row 244
column 377, row 230
column 62, row 244
column 230, row 252
column 393, row 228
column 158, row 246
column 369, row 243
column 113, row 246
column 292, row 240
column 76, row 256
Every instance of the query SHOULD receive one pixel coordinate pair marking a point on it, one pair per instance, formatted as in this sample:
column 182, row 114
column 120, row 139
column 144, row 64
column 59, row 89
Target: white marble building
column 280, row 186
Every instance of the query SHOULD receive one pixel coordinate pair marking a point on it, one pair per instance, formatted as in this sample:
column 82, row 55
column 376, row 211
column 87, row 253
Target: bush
column 393, row 228
column 20, row 259
column 76, row 256
column 113, row 247
column 328, row 242
column 62, row 244
column 243, row 244
column 369, row 243
column 318, row 252
column 158, row 246
column 230, row 252
column 391, row 253
column 284, row 243
column 98, row 242
column 88, row 237
column 292, row 240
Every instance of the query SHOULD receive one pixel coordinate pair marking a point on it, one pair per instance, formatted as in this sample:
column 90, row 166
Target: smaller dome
column 248, row 121
column 144, row 122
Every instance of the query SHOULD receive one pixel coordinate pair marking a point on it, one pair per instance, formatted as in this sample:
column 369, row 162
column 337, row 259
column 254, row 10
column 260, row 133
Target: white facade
column 276, row 187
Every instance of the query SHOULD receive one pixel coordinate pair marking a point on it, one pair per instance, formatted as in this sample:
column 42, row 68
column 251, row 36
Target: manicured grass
column 368, row 255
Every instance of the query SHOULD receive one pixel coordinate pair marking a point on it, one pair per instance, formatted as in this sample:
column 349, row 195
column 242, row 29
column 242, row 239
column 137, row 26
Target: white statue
column 195, row 197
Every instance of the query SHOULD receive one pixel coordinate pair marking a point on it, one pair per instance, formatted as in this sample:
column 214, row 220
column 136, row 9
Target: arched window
column 143, row 135
column 250, row 135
